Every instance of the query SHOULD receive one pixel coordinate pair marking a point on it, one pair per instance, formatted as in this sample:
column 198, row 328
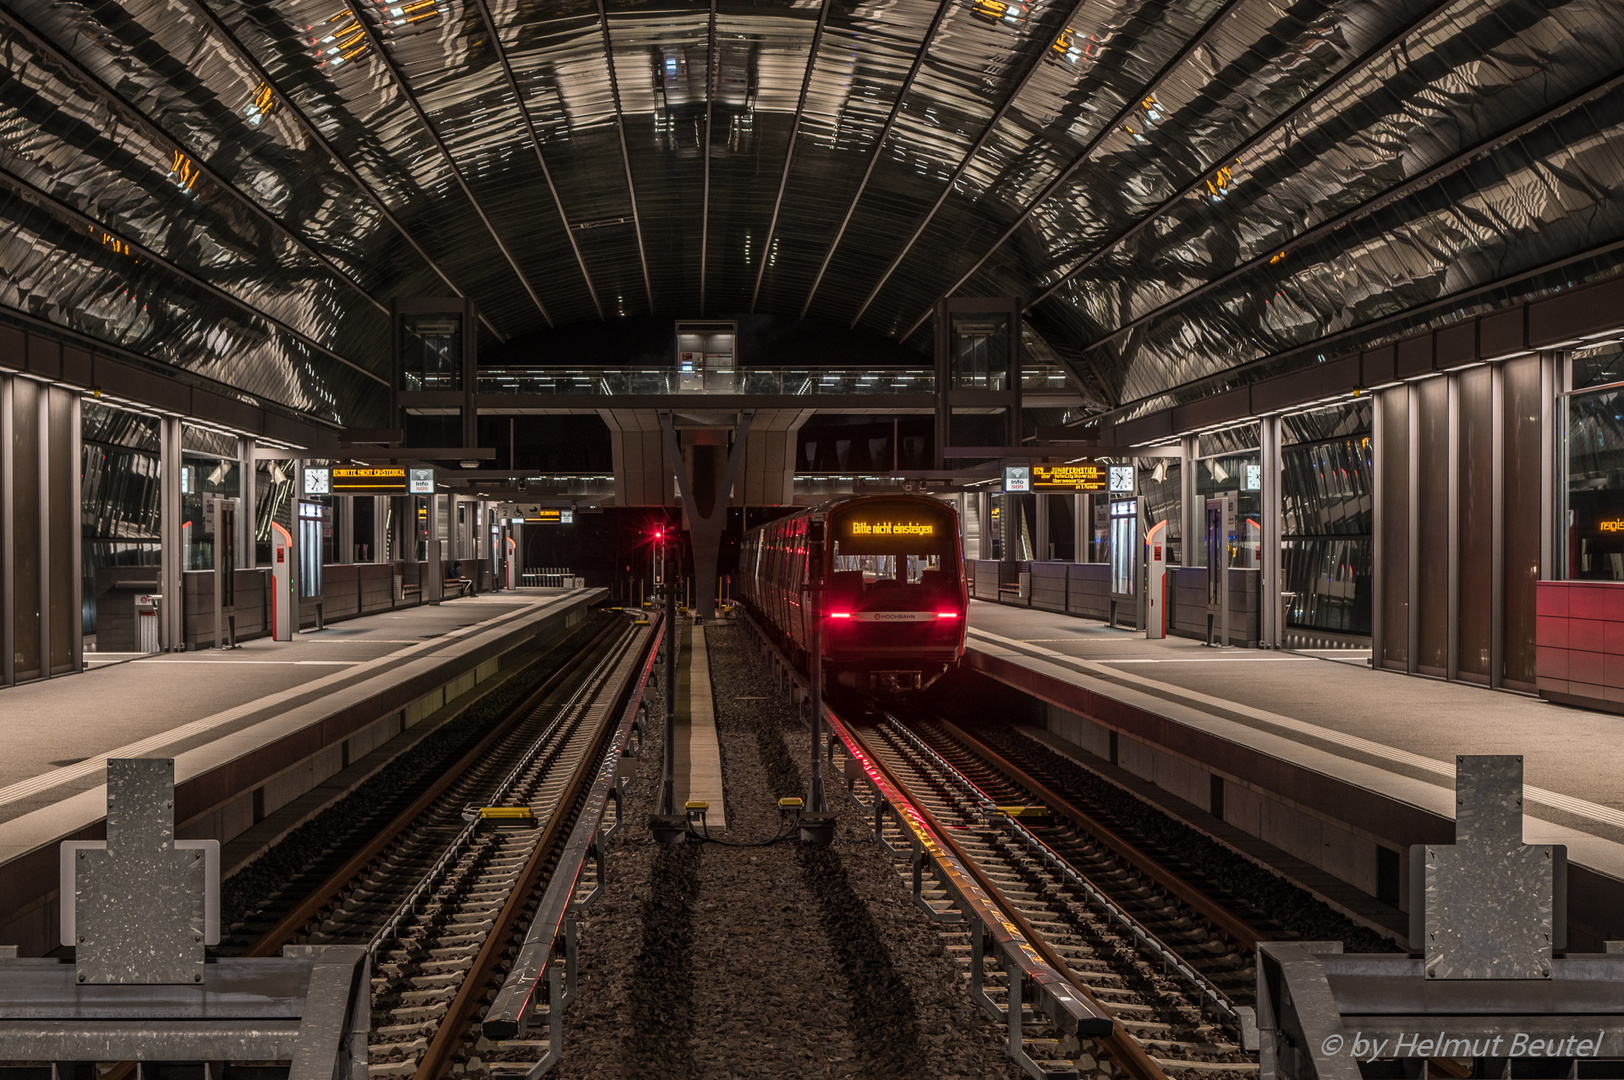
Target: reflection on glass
column 1593, row 516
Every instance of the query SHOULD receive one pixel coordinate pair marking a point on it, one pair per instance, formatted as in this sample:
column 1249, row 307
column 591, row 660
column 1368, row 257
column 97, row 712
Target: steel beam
column 625, row 152
column 311, row 132
column 789, row 152
column 376, row 42
column 535, row 144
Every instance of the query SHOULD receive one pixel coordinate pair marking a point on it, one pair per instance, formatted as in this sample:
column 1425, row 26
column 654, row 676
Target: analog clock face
column 1121, row 477
column 316, row 482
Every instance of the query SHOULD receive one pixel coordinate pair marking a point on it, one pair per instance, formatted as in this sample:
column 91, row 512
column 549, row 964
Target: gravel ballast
column 726, row 960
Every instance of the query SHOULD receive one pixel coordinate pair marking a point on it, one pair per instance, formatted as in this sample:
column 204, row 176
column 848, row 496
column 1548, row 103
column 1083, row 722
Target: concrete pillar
column 1041, row 542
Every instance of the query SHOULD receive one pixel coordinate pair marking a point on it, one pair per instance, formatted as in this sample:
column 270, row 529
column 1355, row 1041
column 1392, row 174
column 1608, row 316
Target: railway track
column 1175, row 982
column 438, row 895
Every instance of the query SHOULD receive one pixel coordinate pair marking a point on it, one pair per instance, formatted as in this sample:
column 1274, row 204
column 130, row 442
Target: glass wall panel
column 26, row 527
column 1594, row 515
column 1160, row 485
column 1235, row 473
column 1395, row 564
column 1326, row 518
column 1476, row 521
column 1522, row 514
column 273, row 497
column 1432, row 507
column 118, row 500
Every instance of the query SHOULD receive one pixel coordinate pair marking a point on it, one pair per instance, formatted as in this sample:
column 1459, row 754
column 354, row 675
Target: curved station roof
column 1182, row 193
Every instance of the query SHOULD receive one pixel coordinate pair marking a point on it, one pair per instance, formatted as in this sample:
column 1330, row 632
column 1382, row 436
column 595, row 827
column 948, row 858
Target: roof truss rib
column 789, row 152
column 1285, row 119
column 625, row 153
column 157, row 133
column 874, row 158
column 1342, row 221
column 34, row 194
column 712, row 71
column 535, row 144
column 410, row 98
column 964, row 163
column 1121, row 117
column 311, row 132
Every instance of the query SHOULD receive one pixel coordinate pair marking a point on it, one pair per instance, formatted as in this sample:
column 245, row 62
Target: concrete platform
column 1334, row 763
column 251, row 729
column 698, row 764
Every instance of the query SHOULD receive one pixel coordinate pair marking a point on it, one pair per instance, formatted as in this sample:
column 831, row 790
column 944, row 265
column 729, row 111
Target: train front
column 895, row 606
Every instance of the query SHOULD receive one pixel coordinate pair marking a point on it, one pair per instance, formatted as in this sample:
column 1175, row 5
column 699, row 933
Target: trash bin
column 148, row 637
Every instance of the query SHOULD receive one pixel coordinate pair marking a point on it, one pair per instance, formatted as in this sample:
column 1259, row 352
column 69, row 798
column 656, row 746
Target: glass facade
column 119, row 500
column 1326, row 461
column 1592, row 514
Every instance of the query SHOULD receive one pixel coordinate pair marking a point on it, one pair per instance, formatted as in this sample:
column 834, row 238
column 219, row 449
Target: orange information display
column 1084, row 476
column 364, row 481
column 881, row 527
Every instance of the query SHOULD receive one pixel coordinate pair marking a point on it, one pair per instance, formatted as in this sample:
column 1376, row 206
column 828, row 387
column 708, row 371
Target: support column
column 171, row 608
column 76, row 413
column 1270, row 585
column 8, row 535
column 247, row 523
column 1195, row 518
column 706, row 530
column 1040, row 542
column 1082, row 526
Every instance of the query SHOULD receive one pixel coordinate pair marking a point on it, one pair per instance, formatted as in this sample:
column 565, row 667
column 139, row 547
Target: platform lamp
column 668, row 826
column 816, row 823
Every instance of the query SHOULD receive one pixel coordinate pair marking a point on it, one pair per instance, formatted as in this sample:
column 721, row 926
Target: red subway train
column 894, row 609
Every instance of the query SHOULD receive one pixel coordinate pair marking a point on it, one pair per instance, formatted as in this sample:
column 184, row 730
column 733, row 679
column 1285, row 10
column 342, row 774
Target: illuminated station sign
column 1079, row 476
column 389, row 480
column 548, row 516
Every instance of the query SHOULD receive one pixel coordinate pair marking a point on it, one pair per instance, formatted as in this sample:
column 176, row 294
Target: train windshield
column 879, row 544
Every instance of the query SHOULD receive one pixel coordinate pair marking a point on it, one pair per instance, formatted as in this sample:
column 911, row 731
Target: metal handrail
column 537, row 962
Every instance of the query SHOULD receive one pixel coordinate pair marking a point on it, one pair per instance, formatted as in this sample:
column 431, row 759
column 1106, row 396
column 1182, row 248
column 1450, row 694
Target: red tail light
column 947, row 614
column 839, row 614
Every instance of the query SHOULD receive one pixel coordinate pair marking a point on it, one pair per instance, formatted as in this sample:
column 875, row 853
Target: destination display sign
column 899, row 529
column 1079, row 476
column 549, row 516
column 367, row 481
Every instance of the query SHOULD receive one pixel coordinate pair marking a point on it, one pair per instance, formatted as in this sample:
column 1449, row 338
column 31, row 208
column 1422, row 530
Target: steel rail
column 1065, row 999
column 1242, row 932
column 1037, row 958
column 510, row 1012
column 535, row 144
column 570, row 714
column 789, row 152
column 453, row 1029
column 271, row 942
column 313, row 133
column 1142, row 934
